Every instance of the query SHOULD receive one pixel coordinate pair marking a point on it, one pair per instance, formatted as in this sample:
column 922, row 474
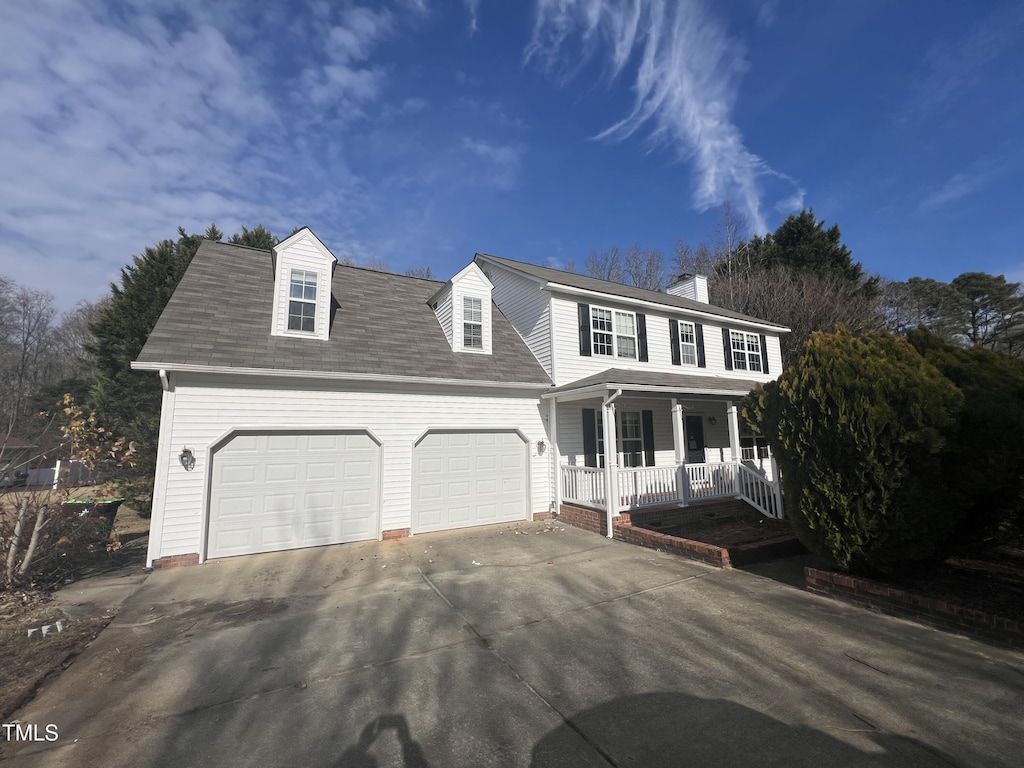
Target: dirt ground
column 26, row 660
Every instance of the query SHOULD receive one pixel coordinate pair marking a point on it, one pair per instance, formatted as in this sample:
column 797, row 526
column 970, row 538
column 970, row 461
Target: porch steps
column 643, row 528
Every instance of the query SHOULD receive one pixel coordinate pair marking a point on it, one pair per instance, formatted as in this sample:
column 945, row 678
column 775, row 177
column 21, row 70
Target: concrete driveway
column 528, row 645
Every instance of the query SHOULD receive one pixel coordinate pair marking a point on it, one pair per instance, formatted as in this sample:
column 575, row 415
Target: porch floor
column 723, row 533
column 749, row 536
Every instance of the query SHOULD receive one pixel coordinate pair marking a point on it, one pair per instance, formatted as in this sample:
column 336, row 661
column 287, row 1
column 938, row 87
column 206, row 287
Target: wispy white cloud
column 119, row 126
column 955, row 67
column 473, row 6
column 501, row 162
column 962, row 184
column 685, row 85
column 766, row 12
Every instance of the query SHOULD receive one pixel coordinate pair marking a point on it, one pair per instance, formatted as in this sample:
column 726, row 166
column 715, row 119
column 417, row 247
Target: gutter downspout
column 163, row 380
column 611, row 462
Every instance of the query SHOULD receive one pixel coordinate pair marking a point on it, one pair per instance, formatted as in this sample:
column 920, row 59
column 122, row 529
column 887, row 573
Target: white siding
column 444, row 312
column 571, row 365
column 304, row 254
column 527, row 306
column 473, row 283
column 570, row 426
column 207, row 408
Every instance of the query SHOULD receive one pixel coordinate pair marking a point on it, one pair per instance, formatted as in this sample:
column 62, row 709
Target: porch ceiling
column 651, row 381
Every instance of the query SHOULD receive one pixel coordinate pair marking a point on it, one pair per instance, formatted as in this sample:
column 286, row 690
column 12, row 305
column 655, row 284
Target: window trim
column 743, row 354
column 684, row 346
column 615, row 333
column 620, row 439
column 304, row 279
column 468, row 324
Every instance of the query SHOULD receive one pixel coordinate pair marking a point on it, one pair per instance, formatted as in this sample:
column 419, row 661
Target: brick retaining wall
column 891, row 601
column 623, row 529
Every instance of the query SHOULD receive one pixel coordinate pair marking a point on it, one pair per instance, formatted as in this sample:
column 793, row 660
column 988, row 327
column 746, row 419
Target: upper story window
column 746, row 351
column 687, row 343
column 613, row 333
column 302, row 301
column 472, row 322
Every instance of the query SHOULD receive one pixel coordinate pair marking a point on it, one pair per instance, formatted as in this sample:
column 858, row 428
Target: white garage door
column 461, row 479
column 289, row 490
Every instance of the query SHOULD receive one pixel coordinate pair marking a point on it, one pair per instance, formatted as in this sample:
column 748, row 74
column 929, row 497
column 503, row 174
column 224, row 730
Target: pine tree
column 127, row 401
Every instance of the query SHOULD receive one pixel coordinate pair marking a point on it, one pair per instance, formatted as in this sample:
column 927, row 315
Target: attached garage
column 461, row 479
column 284, row 490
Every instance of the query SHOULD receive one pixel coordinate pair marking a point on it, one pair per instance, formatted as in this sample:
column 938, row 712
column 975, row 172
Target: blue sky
column 420, row 132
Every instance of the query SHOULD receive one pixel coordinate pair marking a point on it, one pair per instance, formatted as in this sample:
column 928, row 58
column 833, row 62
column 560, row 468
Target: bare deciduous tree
column 803, row 301
column 645, row 268
column 605, row 266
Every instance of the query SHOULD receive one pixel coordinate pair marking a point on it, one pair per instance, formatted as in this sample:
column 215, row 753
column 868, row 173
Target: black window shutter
column 727, row 342
column 764, row 354
column 641, row 336
column 698, row 331
column 673, row 332
column 589, row 437
column 647, row 417
column 584, row 329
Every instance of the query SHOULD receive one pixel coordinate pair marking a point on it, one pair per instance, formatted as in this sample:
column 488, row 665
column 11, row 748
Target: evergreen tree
column 127, row 401
column 857, row 426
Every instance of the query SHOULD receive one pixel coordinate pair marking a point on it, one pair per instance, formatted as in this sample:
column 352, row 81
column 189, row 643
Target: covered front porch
column 626, row 441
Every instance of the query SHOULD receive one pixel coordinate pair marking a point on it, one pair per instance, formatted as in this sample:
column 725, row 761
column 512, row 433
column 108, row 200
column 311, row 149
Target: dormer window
column 472, row 323
column 302, row 301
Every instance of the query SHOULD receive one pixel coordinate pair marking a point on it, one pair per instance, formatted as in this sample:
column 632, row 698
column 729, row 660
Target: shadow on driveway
column 674, row 730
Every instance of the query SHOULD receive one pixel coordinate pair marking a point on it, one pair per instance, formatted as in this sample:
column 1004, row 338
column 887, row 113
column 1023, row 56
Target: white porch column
column 556, row 456
column 611, row 453
column 734, row 430
column 678, row 438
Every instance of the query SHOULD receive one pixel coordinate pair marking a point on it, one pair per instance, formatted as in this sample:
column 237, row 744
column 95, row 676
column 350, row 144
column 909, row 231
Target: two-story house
column 309, row 403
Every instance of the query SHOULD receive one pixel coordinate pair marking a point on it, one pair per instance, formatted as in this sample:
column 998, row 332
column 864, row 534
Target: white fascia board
column 719, row 319
column 306, row 234
column 490, row 260
column 335, row 376
column 595, row 389
column 455, row 278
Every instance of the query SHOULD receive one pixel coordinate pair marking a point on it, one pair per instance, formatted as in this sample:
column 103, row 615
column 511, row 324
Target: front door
column 694, row 439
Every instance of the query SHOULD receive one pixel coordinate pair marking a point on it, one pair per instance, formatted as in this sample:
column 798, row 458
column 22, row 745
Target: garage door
column 289, row 490
column 461, row 479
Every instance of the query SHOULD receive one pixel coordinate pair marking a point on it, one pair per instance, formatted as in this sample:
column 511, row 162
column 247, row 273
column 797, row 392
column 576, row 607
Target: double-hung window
column 302, row 301
column 472, row 322
column 632, row 439
column 752, row 445
column 613, row 333
column 630, row 435
column 746, row 351
column 687, row 343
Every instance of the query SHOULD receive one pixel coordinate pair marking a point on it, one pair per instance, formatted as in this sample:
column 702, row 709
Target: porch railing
column 712, row 480
column 644, row 486
column 640, row 487
column 583, row 485
column 760, row 493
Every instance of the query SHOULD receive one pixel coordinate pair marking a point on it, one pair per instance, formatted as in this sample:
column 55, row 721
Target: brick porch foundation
column 623, row 528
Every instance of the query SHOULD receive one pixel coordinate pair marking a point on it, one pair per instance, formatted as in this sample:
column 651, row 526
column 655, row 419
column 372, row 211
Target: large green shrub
column 985, row 448
column 857, row 425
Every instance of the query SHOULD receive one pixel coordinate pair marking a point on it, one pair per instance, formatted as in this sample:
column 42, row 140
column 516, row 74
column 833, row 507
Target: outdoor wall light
column 712, row 420
column 541, row 447
column 187, row 459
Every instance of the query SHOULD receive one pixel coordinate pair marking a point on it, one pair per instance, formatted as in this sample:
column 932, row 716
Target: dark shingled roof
column 220, row 316
column 683, row 382
column 617, row 289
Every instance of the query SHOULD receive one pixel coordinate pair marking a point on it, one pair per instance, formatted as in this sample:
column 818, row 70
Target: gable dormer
column 463, row 308
column 302, row 287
